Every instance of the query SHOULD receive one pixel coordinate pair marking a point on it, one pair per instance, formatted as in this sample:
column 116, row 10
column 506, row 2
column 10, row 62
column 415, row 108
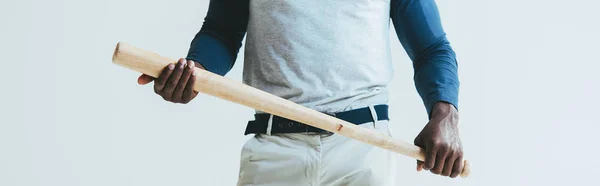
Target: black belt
column 283, row 125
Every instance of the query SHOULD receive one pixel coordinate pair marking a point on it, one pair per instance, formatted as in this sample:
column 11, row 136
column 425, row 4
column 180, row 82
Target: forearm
column 211, row 53
column 436, row 76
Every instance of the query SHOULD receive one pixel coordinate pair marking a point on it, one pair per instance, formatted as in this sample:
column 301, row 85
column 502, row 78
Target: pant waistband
column 282, row 125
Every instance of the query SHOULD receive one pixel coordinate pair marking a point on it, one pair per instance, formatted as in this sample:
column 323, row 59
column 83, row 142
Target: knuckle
column 173, row 83
column 170, row 85
column 443, row 150
column 190, row 68
column 457, row 153
column 175, row 72
column 158, row 84
column 450, row 149
column 435, row 142
column 453, row 154
column 444, row 145
column 428, row 165
column 180, row 68
column 181, row 84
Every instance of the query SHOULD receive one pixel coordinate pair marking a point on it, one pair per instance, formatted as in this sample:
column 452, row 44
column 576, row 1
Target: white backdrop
column 529, row 96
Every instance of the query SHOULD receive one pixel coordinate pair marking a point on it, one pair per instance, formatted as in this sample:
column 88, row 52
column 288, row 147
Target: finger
column 189, row 93
column 187, row 72
column 172, row 82
column 419, row 165
column 458, row 167
column 439, row 162
column 159, row 84
column 430, row 152
column 145, row 79
column 448, row 165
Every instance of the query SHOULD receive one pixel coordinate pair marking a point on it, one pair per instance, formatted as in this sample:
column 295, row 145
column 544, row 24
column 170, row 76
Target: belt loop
column 270, row 124
column 373, row 115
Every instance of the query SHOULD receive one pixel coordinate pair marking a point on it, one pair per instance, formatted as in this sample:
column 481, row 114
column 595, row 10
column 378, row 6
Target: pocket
column 246, row 153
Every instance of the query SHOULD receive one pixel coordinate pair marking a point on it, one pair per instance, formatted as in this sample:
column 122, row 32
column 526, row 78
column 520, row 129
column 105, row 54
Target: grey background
column 70, row 117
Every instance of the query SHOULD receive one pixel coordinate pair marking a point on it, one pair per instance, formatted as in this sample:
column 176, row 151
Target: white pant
column 316, row 160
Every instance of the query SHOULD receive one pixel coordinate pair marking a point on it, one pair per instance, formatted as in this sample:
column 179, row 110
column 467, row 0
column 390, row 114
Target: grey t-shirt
column 330, row 56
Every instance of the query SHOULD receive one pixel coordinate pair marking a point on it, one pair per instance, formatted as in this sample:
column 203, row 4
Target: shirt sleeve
column 419, row 28
column 217, row 44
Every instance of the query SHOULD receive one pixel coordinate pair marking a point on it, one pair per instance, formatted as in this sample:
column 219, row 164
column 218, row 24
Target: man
column 332, row 56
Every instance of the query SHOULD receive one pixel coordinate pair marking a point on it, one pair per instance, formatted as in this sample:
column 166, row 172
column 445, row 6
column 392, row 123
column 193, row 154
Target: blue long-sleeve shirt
column 417, row 24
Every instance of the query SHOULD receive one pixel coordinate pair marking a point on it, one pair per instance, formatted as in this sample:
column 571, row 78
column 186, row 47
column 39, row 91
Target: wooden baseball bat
column 152, row 64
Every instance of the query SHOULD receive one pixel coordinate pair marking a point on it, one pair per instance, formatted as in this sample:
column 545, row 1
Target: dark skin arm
column 176, row 81
column 441, row 141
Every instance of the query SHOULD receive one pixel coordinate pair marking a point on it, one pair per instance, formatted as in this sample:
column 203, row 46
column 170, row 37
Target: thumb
column 145, row 79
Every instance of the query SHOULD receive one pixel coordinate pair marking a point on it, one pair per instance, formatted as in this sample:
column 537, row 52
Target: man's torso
column 329, row 55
